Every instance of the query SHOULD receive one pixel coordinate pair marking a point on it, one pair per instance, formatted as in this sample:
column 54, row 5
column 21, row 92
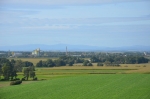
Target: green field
column 128, row 81
column 97, row 86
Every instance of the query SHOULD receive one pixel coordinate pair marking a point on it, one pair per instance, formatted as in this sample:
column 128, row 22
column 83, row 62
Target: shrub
column 35, row 78
column 23, row 79
column 17, row 82
column 15, row 79
column 2, row 80
column 99, row 64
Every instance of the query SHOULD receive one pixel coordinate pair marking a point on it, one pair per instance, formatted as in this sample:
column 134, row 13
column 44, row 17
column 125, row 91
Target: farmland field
column 33, row 60
column 97, row 86
column 78, row 68
column 128, row 81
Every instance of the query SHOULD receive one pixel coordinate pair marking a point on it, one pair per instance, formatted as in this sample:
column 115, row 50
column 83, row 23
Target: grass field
column 103, row 86
column 129, row 81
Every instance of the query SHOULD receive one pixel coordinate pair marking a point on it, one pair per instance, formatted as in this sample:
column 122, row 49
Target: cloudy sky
column 111, row 23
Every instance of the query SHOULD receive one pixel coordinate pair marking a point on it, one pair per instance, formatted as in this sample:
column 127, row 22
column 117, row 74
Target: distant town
column 83, row 54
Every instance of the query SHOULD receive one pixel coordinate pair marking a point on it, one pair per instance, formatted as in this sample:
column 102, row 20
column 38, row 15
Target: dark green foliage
column 39, row 64
column 27, row 64
column 18, row 65
column 15, row 79
column 50, row 63
column 0, row 71
column 99, row 64
column 28, row 72
column 119, row 58
column 17, row 82
column 2, row 80
column 87, row 63
column 94, row 59
column 35, row 78
column 23, row 79
column 9, row 69
column 62, row 61
column 3, row 60
column 59, row 62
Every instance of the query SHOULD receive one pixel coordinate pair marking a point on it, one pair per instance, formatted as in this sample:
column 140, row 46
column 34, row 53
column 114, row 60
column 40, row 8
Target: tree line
column 120, row 59
column 61, row 61
column 107, row 60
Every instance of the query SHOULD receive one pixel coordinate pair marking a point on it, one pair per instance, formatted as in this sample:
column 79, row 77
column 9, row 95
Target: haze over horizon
column 110, row 23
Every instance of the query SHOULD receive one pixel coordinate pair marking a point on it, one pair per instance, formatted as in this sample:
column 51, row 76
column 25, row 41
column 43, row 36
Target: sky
column 109, row 23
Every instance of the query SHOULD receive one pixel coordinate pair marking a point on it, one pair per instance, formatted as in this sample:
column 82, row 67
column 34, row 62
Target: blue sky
column 110, row 23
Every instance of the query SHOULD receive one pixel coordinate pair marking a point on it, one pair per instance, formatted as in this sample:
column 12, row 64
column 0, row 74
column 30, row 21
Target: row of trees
column 120, row 59
column 110, row 60
column 9, row 69
column 62, row 61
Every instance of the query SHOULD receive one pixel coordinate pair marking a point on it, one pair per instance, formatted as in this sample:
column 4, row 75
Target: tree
column 87, row 63
column 32, row 72
column 6, row 70
column 39, row 64
column 27, row 64
column 0, row 71
column 99, row 64
column 59, row 62
column 18, row 65
column 70, row 63
column 107, row 63
column 26, row 73
column 29, row 72
column 94, row 59
column 50, row 63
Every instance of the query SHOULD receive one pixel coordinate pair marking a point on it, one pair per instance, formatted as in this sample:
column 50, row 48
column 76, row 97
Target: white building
column 36, row 52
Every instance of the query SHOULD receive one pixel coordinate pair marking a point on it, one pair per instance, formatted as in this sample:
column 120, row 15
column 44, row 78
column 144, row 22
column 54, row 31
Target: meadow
column 97, row 86
column 129, row 81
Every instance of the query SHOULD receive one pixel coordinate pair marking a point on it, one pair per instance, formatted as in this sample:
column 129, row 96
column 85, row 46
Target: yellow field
column 33, row 60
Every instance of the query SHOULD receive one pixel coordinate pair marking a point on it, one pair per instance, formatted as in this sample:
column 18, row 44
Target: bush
column 99, row 64
column 17, row 82
column 2, row 80
column 35, row 78
column 23, row 79
column 15, row 79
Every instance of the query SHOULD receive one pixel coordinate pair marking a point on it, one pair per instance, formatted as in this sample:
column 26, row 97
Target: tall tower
column 66, row 51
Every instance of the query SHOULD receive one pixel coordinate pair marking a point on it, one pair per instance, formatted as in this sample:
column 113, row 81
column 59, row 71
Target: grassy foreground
column 96, row 86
